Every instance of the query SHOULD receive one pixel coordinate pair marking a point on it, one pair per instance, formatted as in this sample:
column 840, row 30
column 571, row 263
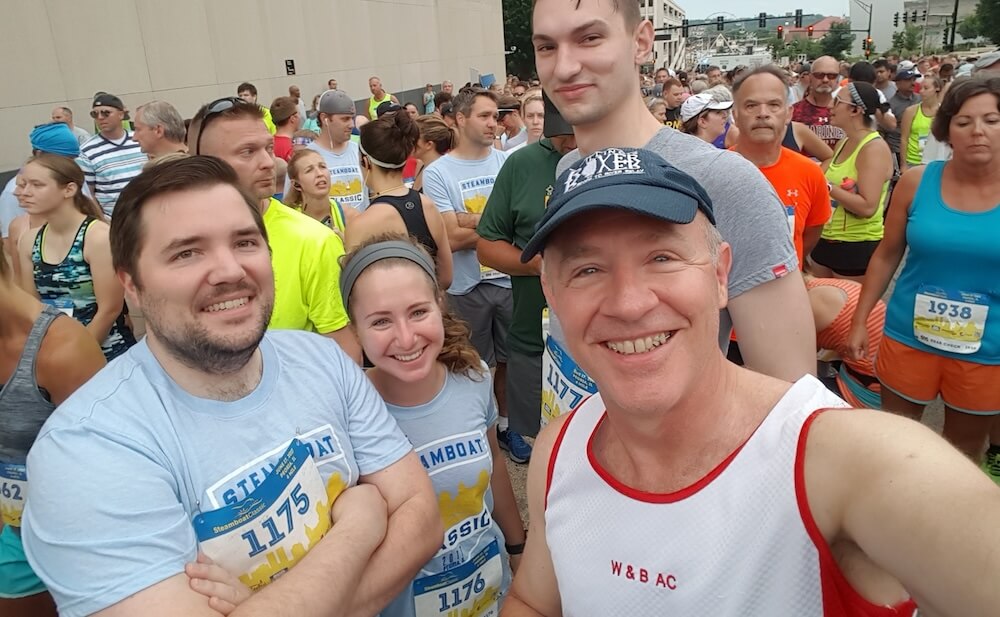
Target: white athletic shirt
column 739, row 542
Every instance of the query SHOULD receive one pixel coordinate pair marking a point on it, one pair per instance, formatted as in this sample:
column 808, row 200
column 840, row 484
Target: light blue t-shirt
column 471, row 568
column 459, row 185
column 346, row 183
column 9, row 208
column 128, row 464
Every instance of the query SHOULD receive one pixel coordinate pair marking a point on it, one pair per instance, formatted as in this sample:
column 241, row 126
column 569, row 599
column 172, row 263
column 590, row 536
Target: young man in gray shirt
column 594, row 81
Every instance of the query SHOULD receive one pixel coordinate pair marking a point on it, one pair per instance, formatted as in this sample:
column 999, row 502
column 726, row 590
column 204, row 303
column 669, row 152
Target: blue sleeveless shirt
column 947, row 298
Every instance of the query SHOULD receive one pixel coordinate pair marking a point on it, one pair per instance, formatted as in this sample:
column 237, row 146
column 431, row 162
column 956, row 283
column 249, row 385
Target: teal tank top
column 947, row 298
column 69, row 287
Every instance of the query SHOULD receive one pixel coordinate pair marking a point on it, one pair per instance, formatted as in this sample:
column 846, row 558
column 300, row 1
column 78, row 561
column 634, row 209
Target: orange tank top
column 834, row 336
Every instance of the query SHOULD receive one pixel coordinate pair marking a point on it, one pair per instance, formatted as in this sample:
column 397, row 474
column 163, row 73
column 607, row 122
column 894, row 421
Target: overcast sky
column 741, row 8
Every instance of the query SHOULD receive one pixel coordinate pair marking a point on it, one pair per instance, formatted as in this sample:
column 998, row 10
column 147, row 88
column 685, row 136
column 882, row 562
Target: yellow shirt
column 268, row 122
column 305, row 256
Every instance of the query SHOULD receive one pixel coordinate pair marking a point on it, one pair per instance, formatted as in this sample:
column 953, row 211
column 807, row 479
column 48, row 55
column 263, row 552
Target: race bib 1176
column 470, row 590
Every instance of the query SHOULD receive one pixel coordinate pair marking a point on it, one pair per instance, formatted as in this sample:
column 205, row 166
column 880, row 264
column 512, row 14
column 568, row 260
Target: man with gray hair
column 65, row 115
column 159, row 129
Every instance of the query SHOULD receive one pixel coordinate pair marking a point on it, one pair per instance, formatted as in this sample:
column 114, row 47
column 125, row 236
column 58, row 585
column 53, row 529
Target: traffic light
column 720, row 23
column 781, row 32
column 906, row 17
column 895, row 20
column 913, row 17
column 762, row 21
column 798, row 18
column 684, row 28
column 868, row 47
column 809, row 30
column 924, row 16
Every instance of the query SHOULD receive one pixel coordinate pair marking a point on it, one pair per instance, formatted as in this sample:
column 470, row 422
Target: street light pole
column 868, row 9
column 954, row 26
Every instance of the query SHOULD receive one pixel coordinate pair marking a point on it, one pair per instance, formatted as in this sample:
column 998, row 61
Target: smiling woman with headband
column 858, row 176
column 440, row 392
column 385, row 145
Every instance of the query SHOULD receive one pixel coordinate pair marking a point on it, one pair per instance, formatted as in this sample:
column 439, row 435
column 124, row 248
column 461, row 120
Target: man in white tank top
column 691, row 486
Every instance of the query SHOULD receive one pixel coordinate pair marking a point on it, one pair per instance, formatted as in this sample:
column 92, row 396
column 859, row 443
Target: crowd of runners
column 270, row 359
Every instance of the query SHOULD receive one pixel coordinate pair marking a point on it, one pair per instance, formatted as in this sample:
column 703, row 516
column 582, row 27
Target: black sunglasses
column 104, row 113
column 214, row 109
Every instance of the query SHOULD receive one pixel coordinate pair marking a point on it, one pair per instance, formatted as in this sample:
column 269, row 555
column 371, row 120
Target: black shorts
column 845, row 258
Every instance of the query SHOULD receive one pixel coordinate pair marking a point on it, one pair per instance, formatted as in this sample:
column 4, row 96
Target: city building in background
column 934, row 17
column 189, row 52
column 879, row 15
column 669, row 47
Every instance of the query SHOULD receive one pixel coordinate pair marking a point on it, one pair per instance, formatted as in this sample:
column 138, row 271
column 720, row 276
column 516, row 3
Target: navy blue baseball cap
column 630, row 179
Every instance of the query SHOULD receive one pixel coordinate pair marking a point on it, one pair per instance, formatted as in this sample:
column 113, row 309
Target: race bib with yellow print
column 565, row 386
column 261, row 537
column 13, row 492
column 469, row 590
column 950, row 320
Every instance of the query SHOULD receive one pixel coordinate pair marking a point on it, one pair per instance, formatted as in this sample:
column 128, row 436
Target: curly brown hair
column 457, row 352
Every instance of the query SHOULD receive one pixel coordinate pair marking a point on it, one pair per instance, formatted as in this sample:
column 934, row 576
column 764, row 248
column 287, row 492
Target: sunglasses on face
column 103, row 113
column 830, row 76
column 214, row 109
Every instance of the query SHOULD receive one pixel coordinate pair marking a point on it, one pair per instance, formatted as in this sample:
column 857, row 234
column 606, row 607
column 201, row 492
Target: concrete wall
column 189, row 52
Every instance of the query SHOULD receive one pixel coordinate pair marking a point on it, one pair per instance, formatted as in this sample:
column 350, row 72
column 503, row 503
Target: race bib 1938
column 13, row 491
column 261, row 537
column 950, row 320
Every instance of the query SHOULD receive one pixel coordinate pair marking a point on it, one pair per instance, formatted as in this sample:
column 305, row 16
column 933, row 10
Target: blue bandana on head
column 55, row 138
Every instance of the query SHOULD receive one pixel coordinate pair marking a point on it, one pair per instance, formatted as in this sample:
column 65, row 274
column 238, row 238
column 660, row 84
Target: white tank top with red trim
column 739, row 542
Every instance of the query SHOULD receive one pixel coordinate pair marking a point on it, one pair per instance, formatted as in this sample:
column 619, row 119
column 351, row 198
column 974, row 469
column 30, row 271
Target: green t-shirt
column 515, row 206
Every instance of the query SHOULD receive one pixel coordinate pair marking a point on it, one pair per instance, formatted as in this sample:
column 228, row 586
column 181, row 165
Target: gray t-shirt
column 748, row 213
column 898, row 104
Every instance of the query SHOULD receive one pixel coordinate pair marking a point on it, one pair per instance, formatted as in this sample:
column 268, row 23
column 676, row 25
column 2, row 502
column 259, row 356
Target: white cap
column 906, row 65
column 700, row 102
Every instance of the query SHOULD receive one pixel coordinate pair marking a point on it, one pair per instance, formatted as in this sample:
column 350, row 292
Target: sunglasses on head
column 830, row 76
column 103, row 113
column 214, row 109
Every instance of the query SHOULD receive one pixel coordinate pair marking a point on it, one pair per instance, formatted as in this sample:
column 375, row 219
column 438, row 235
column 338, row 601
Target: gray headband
column 377, row 252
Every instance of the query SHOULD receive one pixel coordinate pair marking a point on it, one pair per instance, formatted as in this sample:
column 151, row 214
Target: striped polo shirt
column 109, row 166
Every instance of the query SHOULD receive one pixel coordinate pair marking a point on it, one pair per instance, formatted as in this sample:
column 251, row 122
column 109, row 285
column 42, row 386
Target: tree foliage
column 970, row 27
column 988, row 15
column 838, row 40
column 906, row 42
column 517, row 34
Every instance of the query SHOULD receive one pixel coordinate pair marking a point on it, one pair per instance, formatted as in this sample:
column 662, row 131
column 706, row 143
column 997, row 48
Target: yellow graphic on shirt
column 279, row 561
column 345, row 189
column 468, row 502
column 476, row 204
